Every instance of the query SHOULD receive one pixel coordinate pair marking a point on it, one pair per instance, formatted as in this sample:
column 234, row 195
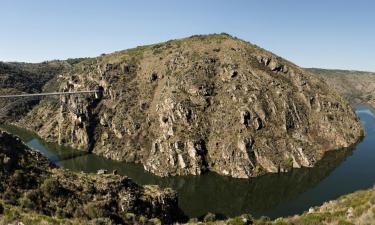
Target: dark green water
column 274, row 195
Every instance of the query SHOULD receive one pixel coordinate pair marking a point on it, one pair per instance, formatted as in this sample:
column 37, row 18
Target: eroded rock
column 241, row 112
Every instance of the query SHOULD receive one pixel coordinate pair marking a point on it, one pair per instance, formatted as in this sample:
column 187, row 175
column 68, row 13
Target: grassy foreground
column 355, row 208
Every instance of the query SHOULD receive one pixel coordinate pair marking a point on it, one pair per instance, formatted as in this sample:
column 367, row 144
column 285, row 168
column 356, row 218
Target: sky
column 336, row 34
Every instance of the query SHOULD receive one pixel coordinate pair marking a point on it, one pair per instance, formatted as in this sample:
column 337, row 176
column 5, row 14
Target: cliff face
column 201, row 103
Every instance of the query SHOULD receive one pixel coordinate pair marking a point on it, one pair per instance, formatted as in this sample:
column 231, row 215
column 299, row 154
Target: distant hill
column 26, row 78
column 358, row 87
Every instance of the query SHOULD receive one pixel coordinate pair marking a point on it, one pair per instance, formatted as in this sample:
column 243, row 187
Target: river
column 274, row 195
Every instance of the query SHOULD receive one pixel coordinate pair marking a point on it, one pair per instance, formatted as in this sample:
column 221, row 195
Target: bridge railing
column 25, row 98
column 49, row 94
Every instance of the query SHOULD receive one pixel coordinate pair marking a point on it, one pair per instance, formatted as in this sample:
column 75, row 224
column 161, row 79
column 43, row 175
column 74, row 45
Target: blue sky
column 319, row 33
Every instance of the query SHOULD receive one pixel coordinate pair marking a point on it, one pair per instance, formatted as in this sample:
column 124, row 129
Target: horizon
column 319, row 34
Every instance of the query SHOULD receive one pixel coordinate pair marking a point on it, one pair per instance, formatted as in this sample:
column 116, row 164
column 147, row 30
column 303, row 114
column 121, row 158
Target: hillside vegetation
column 357, row 87
column 16, row 78
column 31, row 185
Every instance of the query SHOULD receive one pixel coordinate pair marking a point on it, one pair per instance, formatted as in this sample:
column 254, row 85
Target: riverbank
column 274, row 195
column 29, row 183
column 355, row 208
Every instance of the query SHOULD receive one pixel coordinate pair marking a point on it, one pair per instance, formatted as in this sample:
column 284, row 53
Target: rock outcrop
column 28, row 180
column 201, row 103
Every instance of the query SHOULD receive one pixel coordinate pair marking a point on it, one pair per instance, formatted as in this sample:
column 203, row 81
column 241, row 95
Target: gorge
column 195, row 115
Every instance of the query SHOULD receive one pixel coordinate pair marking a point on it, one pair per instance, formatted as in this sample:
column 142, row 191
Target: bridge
column 25, row 98
column 51, row 94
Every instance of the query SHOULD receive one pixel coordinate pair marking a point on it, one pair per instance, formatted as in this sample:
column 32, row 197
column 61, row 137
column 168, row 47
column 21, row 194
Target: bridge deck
column 50, row 94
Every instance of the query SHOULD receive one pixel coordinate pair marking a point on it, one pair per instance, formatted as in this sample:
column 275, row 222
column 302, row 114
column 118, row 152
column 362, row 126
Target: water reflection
column 272, row 195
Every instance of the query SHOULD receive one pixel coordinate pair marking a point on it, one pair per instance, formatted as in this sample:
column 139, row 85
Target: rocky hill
column 30, row 184
column 201, row 103
column 357, row 87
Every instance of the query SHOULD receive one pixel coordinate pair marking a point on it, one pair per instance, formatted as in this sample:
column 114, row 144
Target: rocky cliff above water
column 201, row 103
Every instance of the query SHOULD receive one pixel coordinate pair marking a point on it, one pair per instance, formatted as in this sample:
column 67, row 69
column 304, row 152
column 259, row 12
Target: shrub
column 70, row 207
column 344, row 222
column 313, row 219
column 372, row 200
column 129, row 217
column 237, row 221
column 60, row 213
column 51, row 187
column 209, row 217
column 79, row 213
column 101, row 221
column 95, row 210
column 1, row 209
column 281, row 222
column 154, row 221
column 18, row 179
column 142, row 219
column 10, row 196
column 25, row 202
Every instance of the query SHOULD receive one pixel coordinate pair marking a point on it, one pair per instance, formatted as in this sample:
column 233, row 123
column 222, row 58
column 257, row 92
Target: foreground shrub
column 51, row 187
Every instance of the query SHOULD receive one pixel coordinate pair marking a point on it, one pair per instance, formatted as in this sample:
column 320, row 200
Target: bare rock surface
column 202, row 103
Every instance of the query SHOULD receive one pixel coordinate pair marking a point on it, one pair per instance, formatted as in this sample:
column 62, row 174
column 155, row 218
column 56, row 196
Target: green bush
column 142, row 219
column 70, row 207
column 313, row 219
column 94, row 210
column 79, row 213
column 154, row 221
column 51, row 187
column 101, row 221
column 18, row 179
column 344, row 222
column 26, row 202
column 60, row 213
column 129, row 217
column 237, row 221
column 281, row 222
column 372, row 200
column 209, row 217
column 10, row 196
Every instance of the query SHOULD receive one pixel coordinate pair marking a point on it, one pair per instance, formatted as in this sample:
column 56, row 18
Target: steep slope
column 201, row 103
column 28, row 181
column 18, row 78
column 357, row 87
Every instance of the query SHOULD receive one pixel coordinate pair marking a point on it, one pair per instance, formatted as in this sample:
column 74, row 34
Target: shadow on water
column 274, row 195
